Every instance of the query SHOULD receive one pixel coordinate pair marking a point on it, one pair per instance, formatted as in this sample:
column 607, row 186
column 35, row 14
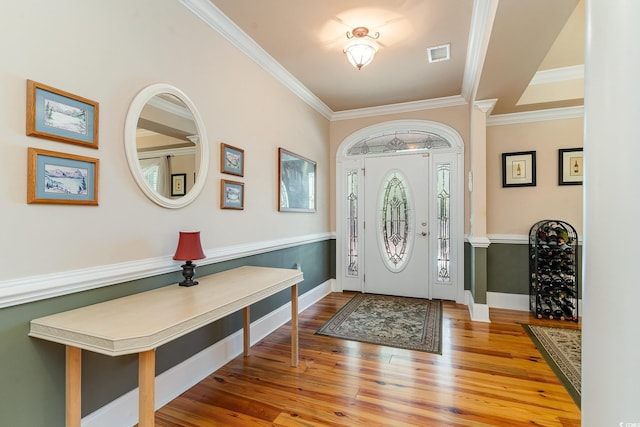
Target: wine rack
column 553, row 290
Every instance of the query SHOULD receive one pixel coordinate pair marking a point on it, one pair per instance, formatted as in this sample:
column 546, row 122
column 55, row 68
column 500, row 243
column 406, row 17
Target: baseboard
column 515, row 301
column 123, row 411
column 478, row 312
column 508, row 301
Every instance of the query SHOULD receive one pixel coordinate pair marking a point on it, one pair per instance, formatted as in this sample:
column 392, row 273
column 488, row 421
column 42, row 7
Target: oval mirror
column 166, row 146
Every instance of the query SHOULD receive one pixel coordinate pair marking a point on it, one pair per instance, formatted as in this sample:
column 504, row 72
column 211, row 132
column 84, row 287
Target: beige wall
column 514, row 210
column 108, row 52
column 455, row 117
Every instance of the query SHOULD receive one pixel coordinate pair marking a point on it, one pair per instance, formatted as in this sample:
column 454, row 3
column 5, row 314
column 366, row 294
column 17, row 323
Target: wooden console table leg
column 73, row 382
column 246, row 326
column 294, row 325
column 146, row 387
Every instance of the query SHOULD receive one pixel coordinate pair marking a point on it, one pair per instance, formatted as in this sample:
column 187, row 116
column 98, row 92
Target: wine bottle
column 565, row 291
column 556, row 310
column 544, row 306
column 567, row 310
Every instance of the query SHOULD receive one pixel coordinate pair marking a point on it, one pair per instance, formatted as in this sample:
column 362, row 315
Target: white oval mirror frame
column 202, row 145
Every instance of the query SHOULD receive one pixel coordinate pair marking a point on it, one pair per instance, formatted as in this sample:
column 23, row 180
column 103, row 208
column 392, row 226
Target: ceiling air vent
column 439, row 53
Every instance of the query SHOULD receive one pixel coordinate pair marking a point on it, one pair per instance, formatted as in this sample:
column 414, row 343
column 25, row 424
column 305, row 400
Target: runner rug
column 408, row 323
column 562, row 349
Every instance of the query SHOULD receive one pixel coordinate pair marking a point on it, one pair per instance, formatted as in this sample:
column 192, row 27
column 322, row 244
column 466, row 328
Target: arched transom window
column 410, row 140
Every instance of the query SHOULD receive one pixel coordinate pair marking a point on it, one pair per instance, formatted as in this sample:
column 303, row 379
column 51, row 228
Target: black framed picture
column 178, row 184
column 570, row 167
column 519, row 169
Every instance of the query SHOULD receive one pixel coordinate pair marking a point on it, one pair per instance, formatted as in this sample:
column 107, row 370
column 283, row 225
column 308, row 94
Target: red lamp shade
column 189, row 247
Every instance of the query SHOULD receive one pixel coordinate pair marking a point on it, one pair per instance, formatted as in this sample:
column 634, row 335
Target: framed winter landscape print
column 519, row 169
column 231, row 160
column 231, row 195
column 61, row 116
column 296, row 182
column 570, row 168
column 61, row 178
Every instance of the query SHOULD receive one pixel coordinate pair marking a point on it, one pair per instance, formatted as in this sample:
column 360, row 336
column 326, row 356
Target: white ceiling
column 497, row 48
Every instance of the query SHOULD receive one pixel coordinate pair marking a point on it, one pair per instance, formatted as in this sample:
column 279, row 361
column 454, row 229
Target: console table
column 142, row 322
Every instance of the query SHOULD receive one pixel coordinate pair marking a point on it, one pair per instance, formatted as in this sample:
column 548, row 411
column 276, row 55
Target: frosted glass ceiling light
column 361, row 48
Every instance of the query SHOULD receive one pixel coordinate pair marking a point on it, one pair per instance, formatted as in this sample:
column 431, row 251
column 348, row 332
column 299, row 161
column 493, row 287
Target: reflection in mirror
column 164, row 140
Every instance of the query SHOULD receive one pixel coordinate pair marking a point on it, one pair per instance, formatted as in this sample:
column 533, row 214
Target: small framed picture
column 60, row 178
column 570, row 166
column 178, row 184
column 231, row 160
column 231, row 194
column 519, row 169
column 61, row 116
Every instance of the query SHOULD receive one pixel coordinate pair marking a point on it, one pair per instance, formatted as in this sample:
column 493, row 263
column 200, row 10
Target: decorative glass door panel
column 352, row 261
column 394, row 218
column 396, row 235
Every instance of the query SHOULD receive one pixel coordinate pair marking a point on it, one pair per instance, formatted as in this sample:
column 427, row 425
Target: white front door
column 396, row 232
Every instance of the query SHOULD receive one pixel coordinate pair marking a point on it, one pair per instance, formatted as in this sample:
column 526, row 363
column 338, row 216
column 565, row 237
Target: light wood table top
column 146, row 320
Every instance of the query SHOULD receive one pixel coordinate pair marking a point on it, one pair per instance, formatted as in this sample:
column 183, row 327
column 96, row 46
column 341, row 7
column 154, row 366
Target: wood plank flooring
column 490, row 374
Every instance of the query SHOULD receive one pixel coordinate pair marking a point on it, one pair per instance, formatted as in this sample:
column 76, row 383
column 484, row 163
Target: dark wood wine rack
column 553, row 270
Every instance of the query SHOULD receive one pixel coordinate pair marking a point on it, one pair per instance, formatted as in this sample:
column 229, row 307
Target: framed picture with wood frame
column 570, row 168
column 231, row 160
column 61, row 116
column 519, row 169
column 60, row 178
column 296, row 182
column 231, row 194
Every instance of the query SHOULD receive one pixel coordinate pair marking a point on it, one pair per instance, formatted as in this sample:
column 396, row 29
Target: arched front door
column 399, row 211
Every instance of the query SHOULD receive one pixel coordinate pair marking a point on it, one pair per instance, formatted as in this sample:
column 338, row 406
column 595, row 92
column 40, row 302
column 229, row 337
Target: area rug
column 408, row 323
column 562, row 349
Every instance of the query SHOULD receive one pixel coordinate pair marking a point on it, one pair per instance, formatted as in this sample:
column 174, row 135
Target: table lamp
column 189, row 248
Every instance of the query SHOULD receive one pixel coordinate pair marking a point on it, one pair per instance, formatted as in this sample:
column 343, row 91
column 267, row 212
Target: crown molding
column 404, row 107
column 486, row 105
column 217, row 20
column 484, row 12
column 170, row 107
column 482, row 23
column 536, row 116
column 554, row 75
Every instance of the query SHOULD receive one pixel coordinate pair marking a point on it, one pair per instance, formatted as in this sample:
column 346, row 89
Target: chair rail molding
column 35, row 288
column 479, row 241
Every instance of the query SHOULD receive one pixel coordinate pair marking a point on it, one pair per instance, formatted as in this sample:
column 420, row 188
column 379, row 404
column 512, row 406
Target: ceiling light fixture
column 361, row 48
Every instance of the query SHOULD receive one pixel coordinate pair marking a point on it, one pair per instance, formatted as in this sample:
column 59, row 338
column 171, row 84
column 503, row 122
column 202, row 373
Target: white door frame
column 345, row 162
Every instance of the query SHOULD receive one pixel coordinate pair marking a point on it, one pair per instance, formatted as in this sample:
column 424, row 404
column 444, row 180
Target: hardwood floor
column 490, row 374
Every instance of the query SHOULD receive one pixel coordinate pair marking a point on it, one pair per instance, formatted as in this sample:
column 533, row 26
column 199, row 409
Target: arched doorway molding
column 350, row 165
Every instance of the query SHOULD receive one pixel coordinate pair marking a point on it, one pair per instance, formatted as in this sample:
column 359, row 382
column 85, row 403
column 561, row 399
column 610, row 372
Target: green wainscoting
column 508, row 268
column 32, row 383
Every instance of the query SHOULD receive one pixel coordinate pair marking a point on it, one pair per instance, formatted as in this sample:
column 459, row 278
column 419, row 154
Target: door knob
column 424, row 233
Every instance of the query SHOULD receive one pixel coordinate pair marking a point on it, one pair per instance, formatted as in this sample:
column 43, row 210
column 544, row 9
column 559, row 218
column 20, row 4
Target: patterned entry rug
column 409, row 323
column 562, row 349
